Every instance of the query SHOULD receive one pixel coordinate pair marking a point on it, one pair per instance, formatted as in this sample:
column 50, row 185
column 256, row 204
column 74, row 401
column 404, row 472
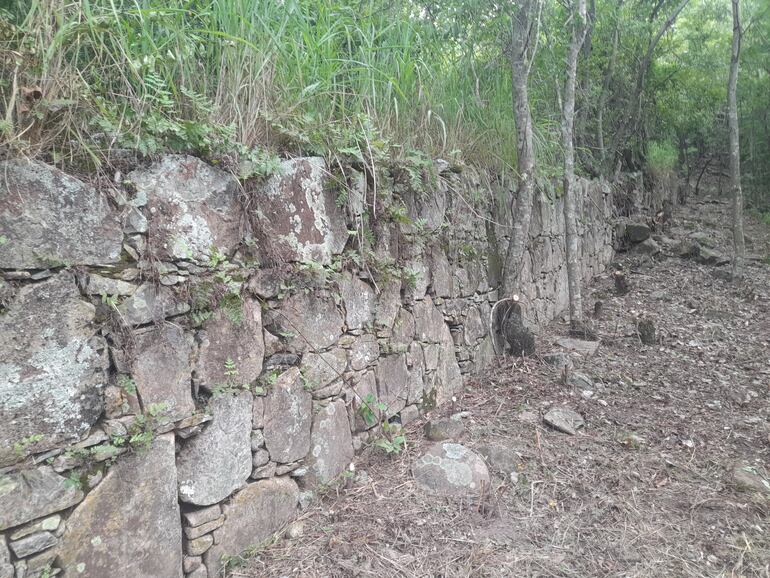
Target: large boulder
column 298, row 215
column 242, row 343
column 129, row 525
column 51, row 219
column 31, row 494
column 450, row 469
column 192, row 207
column 331, row 444
column 52, row 368
column 216, row 462
column 287, row 418
column 251, row 517
column 162, row 372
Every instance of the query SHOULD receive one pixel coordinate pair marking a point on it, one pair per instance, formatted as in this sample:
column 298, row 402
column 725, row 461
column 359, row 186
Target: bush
column 662, row 158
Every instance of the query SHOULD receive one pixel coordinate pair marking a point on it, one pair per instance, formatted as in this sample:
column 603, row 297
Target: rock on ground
column 564, row 420
column 444, row 429
column 451, row 469
column 129, row 525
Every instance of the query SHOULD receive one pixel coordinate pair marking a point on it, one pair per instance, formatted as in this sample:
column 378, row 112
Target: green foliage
column 661, row 157
column 393, row 440
column 20, row 447
column 231, row 384
column 217, row 78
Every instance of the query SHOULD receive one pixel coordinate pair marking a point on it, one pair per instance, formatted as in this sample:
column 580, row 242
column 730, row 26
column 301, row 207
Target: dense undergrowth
column 81, row 80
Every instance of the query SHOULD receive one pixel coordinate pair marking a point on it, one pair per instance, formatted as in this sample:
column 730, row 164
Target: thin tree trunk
column 567, row 133
column 584, row 86
column 631, row 122
column 606, row 86
column 523, row 47
column 735, row 145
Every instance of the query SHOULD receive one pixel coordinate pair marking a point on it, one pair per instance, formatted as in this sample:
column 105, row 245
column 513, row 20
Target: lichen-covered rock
column 564, row 420
column 392, row 383
column 306, row 321
column 251, row 517
column 6, row 568
column 299, row 215
column 444, row 429
column 359, row 302
column 50, row 219
column 31, row 494
column 288, row 417
column 331, row 445
column 192, row 207
column 450, row 469
column 52, row 368
column 216, row 462
column 320, row 369
column 429, row 322
column 388, row 304
column 222, row 339
column 363, row 352
column 151, row 303
column 162, row 372
column 129, row 525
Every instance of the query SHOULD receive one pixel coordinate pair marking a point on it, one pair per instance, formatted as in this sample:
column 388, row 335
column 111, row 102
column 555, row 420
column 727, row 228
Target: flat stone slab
column 564, row 420
column 299, row 215
column 192, row 207
column 331, row 444
column 251, row 517
column 162, row 370
column 288, row 417
column 129, row 525
column 52, row 368
column 242, row 343
column 580, row 346
column 306, row 322
column 216, row 462
column 450, row 469
column 31, row 494
column 50, row 219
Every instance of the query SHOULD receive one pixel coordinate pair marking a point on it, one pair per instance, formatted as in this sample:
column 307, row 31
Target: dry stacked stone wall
column 185, row 358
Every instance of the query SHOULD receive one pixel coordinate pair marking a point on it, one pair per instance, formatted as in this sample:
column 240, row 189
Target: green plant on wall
column 231, row 384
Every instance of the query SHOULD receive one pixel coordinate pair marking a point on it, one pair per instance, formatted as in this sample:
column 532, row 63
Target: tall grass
column 211, row 76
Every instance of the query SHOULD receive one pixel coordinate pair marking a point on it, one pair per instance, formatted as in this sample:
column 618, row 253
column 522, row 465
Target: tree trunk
column 735, row 145
column 631, row 122
column 523, row 47
column 567, row 134
column 606, row 86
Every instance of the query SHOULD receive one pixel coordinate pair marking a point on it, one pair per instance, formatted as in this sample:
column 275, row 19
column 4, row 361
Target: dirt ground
column 645, row 488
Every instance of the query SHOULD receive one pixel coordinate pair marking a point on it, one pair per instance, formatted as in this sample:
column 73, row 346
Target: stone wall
column 184, row 358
